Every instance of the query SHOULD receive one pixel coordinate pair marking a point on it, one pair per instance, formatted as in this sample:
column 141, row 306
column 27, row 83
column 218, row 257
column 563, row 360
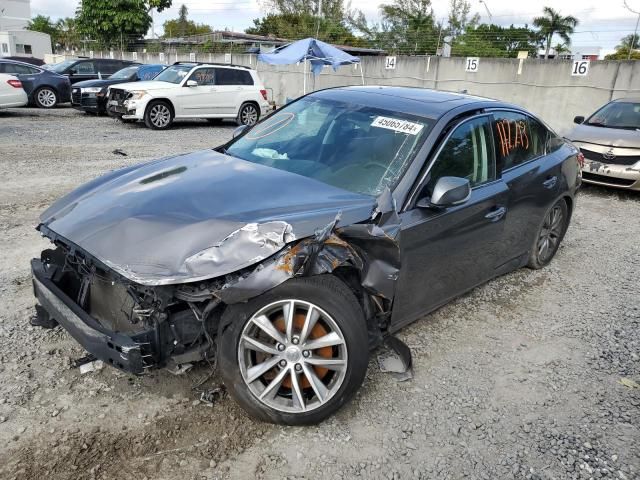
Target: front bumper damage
column 116, row 349
column 135, row 323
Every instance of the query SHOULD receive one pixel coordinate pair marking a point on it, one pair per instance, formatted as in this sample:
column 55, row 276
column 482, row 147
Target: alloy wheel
column 550, row 233
column 160, row 115
column 249, row 115
column 292, row 356
column 46, row 97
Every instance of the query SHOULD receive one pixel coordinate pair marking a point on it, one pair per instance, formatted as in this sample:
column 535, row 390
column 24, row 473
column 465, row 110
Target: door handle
column 550, row 182
column 496, row 214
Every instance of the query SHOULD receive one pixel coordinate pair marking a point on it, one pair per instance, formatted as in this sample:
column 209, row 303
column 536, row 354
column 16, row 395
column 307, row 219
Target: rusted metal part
column 371, row 248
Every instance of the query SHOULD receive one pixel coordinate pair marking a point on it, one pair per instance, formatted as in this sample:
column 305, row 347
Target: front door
column 198, row 100
column 447, row 251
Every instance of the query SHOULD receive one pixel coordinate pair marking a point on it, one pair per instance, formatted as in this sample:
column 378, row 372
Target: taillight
column 581, row 159
column 264, row 94
column 15, row 83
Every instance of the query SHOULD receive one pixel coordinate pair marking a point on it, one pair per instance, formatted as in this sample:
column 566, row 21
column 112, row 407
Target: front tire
column 45, row 97
column 158, row 115
column 297, row 353
column 248, row 114
column 549, row 235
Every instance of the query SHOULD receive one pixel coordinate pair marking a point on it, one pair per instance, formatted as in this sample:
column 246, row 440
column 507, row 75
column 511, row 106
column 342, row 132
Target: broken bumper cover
column 118, row 350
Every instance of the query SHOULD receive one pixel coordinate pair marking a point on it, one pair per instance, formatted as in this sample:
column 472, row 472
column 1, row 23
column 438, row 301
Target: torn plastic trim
column 371, row 248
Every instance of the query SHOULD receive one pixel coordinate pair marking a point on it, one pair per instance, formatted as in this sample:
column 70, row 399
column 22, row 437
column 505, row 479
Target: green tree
column 41, row 23
column 408, row 27
column 630, row 43
column 460, row 19
column 495, row 41
column 553, row 23
column 68, row 36
column 114, row 22
column 182, row 26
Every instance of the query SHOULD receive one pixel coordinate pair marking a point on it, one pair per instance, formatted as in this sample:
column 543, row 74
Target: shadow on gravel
column 610, row 192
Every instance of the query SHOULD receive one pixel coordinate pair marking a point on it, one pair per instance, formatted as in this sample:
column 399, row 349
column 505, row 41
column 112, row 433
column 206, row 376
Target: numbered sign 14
column 390, row 63
column 472, row 64
column 580, row 68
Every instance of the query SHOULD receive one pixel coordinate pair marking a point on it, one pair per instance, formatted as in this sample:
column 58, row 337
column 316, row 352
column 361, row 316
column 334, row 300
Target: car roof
column 626, row 100
column 418, row 101
column 17, row 62
column 212, row 64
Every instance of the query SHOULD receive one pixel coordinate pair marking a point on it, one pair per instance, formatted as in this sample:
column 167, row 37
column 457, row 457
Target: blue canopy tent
column 317, row 53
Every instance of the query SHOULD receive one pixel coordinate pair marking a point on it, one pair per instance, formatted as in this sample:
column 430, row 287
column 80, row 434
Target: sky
column 602, row 22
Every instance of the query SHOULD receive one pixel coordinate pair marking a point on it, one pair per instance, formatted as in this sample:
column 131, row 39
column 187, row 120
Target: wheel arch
column 161, row 99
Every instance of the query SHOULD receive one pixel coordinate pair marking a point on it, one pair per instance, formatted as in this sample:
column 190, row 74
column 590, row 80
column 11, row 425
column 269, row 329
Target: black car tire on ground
column 45, row 97
column 158, row 115
column 549, row 235
column 249, row 114
column 326, row 293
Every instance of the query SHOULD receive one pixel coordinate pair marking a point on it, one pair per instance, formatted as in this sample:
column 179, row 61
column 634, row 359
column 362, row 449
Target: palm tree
column 552, row 23
column 631, row 41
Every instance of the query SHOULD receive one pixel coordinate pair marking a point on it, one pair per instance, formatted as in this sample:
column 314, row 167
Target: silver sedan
column 610, row 142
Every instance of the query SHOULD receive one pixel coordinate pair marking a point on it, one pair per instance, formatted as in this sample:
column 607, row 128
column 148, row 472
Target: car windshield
column 124, row 74
column 174, row 73
column 60, row 67
column 355, row 147
column 617, row 115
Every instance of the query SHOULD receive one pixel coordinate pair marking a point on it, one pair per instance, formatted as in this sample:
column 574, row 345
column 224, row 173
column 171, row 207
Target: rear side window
column 232, row 76
column 518, row 138
column 15, row 69
column 467, row 153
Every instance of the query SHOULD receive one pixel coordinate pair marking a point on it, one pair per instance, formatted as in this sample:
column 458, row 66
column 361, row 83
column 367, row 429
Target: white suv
column 191, row 90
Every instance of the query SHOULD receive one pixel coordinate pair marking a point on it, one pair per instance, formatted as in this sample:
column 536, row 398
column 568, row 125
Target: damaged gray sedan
column 307, row 240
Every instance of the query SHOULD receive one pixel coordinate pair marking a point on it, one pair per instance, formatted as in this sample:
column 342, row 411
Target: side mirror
column 191, row 83
column 239, row 131
column 579, row 119
column 72, row 71
column 448, row 192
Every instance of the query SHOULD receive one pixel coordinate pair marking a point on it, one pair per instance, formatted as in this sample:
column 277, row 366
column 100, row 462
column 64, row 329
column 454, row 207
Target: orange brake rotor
column 316, row 332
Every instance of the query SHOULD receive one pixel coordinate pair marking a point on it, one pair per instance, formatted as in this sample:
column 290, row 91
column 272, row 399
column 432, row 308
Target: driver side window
column 468, row 153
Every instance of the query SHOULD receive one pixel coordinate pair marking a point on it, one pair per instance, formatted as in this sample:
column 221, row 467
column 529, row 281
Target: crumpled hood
column 196, row 216
column 612, row 137
column 146, row 85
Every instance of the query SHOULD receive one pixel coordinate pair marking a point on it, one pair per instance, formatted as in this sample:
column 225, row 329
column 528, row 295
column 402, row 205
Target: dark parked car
column 30, row 60
column 89, row 68
column 305, row 241
column 91, row 95
column 45, row 88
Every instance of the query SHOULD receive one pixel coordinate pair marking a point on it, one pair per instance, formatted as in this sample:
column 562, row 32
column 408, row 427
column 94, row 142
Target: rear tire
column 549, row 235
column 158, row 115
column 303, row 393
column 45, row 97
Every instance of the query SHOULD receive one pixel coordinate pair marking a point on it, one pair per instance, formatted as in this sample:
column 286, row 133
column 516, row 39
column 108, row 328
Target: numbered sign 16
column 472, row 64
column 390, row 63
column 580, row 68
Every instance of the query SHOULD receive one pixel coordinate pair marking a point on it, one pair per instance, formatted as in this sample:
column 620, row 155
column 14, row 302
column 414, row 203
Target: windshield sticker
column 397, row 125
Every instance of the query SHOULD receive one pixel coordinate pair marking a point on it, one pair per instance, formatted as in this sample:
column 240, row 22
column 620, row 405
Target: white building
column 14, row 14
column 15, row 39
column 24, row 43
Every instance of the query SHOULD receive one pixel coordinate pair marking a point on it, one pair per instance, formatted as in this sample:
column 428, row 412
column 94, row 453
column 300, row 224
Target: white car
column 191, row 90
column 11, row 92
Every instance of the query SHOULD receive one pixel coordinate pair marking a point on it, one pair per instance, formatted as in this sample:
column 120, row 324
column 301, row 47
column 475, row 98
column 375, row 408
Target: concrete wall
column 545, row 87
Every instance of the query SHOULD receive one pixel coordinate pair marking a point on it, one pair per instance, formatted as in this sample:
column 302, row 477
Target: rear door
column 532, row 175
column 236, row 86
column 27, row 75
column 447, row 251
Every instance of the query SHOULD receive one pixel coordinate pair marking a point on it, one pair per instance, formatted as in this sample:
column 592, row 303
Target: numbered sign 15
column 580, row 68
column 390, row 63
column 472, row 64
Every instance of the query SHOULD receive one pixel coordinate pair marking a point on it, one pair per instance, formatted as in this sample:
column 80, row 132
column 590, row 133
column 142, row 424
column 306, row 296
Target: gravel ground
column 520, row 378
